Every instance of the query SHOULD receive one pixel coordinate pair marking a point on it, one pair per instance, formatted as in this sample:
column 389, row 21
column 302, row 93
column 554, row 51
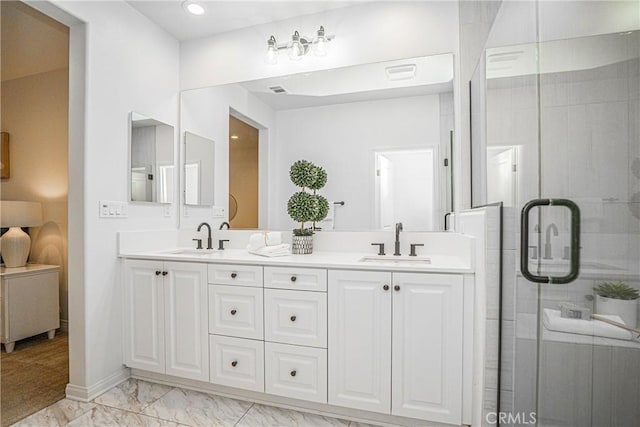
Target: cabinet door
column 144, row 315
column 187, row 344
column 359, row 344
column 427, row 347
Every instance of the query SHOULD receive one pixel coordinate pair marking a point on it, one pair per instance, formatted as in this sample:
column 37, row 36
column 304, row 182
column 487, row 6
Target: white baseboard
column 87, row 394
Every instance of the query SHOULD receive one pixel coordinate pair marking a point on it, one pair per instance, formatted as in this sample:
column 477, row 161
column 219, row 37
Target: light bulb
column 320, row 45
column 296, row 50
column 272, row 51
column 193, row 8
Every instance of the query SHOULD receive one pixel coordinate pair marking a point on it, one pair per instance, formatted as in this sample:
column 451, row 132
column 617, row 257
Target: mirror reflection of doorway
column 502, row 167
column 404, row 189
column 243, row 172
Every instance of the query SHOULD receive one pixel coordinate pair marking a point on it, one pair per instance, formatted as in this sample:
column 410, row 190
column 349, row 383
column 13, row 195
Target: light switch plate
column 113, row 209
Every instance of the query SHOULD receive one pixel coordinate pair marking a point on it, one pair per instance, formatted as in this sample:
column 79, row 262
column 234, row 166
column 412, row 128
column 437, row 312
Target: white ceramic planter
column 301, row 245
column 626, row 309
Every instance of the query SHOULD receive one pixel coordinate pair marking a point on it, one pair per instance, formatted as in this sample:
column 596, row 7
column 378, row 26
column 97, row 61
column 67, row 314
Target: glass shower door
column 588, row 372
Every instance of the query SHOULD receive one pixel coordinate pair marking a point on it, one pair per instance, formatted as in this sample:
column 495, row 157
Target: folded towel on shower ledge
column 271, row 251
column 554, row 322
column 266, row 238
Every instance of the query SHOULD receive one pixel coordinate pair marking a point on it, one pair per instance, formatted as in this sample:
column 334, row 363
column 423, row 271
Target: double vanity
column 369, row 337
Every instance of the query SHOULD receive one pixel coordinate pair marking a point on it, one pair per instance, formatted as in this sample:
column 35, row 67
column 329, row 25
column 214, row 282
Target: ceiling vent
column 401, row 72
column 277, row 89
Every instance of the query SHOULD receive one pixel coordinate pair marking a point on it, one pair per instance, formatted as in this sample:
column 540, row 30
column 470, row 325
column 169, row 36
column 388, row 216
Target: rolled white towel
column 554, row 322
column 266, row 238
column 272, row 251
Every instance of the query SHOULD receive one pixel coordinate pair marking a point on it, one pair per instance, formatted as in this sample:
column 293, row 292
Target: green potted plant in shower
column 620, row 299
column 304, row 206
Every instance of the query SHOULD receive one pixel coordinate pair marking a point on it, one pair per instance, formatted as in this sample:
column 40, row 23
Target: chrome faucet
column 209, row 241
column 224, row 225
column 398, row 230
column 547, row 241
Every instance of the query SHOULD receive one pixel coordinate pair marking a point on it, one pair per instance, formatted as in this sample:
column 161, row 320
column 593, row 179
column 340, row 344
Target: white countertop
column 319, row 259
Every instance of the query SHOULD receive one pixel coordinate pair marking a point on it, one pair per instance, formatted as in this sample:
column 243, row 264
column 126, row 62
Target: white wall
column 364, row 33
column 127, row 64
column 342, row 138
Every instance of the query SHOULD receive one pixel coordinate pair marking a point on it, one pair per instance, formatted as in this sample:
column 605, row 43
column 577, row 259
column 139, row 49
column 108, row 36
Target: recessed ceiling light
column 193, row 7
column 234, row 136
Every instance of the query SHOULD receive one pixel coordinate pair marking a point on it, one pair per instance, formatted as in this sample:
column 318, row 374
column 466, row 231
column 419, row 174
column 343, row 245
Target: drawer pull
column 158, row 272
column 396, row 287
column 164, row 273
column 385, row 287
column 294, row 278
column 234, row 275
column 234, row 363
column 233, row 312
column 293, row 373
column 293, row 318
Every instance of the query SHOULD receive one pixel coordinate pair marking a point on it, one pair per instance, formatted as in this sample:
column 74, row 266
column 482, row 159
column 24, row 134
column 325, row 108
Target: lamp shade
column 20, row 214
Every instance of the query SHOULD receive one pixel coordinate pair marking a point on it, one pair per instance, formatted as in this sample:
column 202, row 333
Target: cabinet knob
column 164, row 273
column 234, row 275
column 158, row 272
column 233, row 312
column 234, row 363
column 293, row 318
column 293, row 373
column 294, row 278
column 396, row 287
column 385, row 287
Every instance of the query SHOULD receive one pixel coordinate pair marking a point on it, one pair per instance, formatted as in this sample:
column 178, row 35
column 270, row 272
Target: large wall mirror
column 382, row 131
column 151, row 154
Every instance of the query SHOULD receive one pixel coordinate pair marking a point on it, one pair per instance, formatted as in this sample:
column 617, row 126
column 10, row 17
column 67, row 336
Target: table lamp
column 15, row 243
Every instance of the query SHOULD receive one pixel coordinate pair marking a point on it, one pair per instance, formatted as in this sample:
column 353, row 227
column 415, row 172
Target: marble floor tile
column 58, row 414
column 104, row 416
column 197, row 409
column 261, row 415
column 133, row 395
column 357, row 424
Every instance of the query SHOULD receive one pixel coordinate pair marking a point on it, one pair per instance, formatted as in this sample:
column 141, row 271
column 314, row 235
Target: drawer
column 240, row 275
column 296, row 317
column 236, row 362
column 297, row 372
column 302, row 279
column 235, row 311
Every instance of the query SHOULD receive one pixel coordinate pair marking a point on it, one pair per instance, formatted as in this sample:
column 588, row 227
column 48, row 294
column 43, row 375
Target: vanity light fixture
column 299, row 46
column 193, row 8
column 234, row 136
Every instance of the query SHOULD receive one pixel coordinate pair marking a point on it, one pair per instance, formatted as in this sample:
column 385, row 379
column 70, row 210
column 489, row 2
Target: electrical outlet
column 166, row 210
column 185, row 211
column 218, row 212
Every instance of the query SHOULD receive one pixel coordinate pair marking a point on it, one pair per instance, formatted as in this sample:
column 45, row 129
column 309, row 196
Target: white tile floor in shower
column 141, row 403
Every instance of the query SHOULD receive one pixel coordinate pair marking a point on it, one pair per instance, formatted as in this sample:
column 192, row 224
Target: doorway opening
column 35, row 118
column 405, row 184
column 244, row 174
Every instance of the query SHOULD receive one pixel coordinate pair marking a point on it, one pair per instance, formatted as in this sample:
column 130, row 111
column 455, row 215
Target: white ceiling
column 434, row 74
column 223, row 16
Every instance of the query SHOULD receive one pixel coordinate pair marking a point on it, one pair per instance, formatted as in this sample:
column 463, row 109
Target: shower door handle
column 575, row 241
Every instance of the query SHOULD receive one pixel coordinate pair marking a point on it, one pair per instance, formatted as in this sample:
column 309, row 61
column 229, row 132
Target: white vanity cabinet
column 165, row 318
column 395, row 343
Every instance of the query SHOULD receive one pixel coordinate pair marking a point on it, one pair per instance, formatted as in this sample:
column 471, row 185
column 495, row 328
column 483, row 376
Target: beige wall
column 243, row 173
column 35, row 113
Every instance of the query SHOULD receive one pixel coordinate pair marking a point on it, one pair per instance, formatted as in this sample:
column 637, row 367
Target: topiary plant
column 617, row 290
column 303, row 206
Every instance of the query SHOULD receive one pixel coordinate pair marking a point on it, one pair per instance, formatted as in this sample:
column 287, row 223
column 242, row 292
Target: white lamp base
column 15, row 245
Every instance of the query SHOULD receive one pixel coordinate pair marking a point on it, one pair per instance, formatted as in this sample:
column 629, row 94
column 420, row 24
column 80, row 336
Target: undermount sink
column 192, row 251
column 391, row 259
